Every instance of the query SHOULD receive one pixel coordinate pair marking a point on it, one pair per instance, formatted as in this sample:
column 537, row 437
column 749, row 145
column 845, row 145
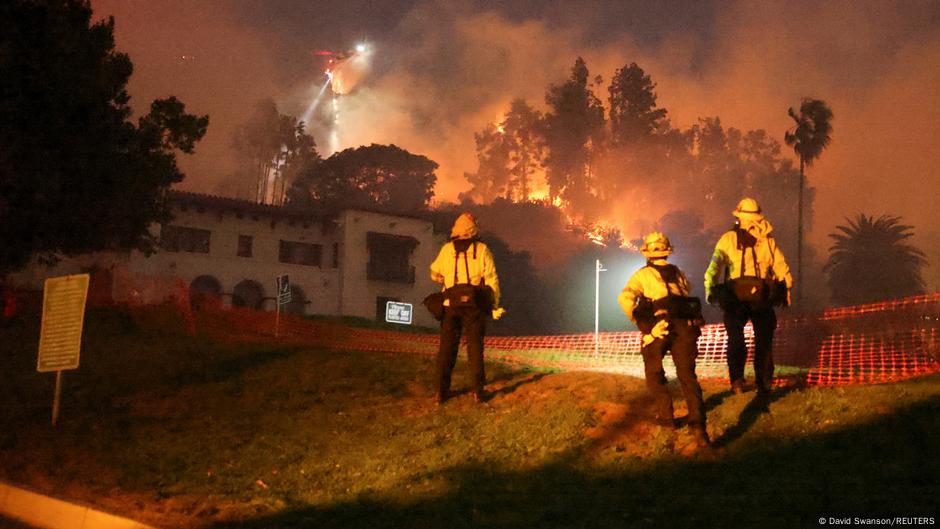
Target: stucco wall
column 344, row 290
column 320, row 285
column 359, row 293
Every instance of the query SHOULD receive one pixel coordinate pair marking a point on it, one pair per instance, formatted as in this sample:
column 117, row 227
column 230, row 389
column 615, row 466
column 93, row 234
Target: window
column 335, row 255
column 390, row 257
column 300, row 253
column 180, row 239
column 244, row 245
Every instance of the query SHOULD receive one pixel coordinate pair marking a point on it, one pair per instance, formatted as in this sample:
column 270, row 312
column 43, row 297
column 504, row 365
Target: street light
column 598, row 268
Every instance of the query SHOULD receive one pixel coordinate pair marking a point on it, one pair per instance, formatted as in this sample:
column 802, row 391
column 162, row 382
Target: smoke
column 445, row 71
column 200, row 52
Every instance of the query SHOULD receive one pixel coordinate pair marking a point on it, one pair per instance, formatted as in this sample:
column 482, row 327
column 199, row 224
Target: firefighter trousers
column 469, row 322
column 681, row 342
column 765, row 322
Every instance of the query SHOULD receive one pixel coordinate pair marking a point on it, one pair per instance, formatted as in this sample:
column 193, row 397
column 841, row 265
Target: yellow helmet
column 655, row 245
column 748, row 208
column 465, row 227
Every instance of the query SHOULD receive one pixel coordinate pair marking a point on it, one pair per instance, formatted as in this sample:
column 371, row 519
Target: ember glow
column 445, row 69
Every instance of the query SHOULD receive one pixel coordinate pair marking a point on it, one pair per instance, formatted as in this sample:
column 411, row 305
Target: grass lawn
column 187, row 432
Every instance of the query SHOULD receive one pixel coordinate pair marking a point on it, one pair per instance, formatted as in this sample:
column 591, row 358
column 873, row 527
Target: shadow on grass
column 716, row 399
column 506, row 390
column 887, row 467
column 230, row 368
column 758, row 406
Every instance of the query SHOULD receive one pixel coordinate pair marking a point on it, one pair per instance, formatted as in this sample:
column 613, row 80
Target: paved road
column 6, row 523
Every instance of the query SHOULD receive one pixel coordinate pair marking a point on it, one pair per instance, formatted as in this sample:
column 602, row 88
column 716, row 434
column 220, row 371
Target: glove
column 498, row 313
column 660, row 330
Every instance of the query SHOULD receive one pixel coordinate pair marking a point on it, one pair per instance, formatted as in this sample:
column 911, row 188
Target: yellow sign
column 63, row 314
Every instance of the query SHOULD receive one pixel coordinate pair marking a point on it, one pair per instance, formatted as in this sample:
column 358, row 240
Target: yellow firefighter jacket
column 480, row 263
column 648, row 282
column 727, row 257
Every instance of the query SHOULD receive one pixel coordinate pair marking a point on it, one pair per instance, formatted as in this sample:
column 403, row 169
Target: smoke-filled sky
column 444, row 69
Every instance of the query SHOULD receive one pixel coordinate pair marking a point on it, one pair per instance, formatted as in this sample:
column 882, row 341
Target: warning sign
column 396, row 312
column 63, row 315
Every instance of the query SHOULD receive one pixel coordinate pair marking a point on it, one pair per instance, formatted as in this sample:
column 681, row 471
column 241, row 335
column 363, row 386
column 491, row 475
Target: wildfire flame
column 602, row 234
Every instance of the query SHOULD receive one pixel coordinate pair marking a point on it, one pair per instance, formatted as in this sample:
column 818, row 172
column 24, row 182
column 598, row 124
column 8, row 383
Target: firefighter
column 466, row 269
column 747, row 276
column 656, row 299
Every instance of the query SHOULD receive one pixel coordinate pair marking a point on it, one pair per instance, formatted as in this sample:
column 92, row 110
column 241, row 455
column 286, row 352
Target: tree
column 574, row 130
column 720, row 186
column 272, row 148
column 386, row 176
column 809, row 137
column 492, row 177
column 508, row 155
column 523, row 128
column 633, row 113
column 75, row 174
column 870, row 261
column 297, row 150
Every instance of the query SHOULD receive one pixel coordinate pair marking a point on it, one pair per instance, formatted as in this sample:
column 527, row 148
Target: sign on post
column 397, row 312
column 63, row 315
column 60, row 336
column 283, row 298
column 283, row 290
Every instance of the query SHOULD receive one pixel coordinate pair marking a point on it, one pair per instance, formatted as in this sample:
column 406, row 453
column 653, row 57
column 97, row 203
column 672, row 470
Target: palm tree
column 809, row 138
column 870, row 261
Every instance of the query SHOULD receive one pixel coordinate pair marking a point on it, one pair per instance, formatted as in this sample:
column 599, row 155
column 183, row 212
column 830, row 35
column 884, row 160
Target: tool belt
column 467, row 294
column 648, row 312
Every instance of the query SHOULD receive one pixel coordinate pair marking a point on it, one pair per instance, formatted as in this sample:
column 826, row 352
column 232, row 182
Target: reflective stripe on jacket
column 727, row 256
column 482, row 268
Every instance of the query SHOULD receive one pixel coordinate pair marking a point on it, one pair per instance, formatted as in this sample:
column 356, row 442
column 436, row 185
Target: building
column 230, row 252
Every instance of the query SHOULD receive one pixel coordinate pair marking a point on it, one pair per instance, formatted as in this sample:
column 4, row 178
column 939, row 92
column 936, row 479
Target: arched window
column 205, row 292
column 248, row 294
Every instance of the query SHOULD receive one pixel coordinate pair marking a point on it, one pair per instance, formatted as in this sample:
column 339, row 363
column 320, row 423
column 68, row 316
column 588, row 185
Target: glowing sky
column 443, row 70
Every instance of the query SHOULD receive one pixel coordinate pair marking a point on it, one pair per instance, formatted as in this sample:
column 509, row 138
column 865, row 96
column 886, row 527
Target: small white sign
column 396, row 312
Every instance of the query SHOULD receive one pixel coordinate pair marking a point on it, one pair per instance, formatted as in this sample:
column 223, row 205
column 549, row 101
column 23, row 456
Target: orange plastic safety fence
column 873, row 343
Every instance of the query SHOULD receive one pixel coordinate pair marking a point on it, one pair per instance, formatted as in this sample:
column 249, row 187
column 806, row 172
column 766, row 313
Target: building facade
column 229, row 253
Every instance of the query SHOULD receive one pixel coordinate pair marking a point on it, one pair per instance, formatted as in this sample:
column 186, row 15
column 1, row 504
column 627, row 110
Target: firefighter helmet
column 655, row 245
column 465, row 227
column 749, row 209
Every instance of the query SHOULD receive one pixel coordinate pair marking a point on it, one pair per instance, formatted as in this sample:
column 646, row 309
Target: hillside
column 191, row 432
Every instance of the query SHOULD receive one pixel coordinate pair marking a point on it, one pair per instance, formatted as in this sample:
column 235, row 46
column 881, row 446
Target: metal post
column 598, row 268
column 58, row 395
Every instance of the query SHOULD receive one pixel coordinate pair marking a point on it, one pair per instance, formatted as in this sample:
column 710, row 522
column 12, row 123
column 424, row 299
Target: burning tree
column 509, row 156
column 574, row 133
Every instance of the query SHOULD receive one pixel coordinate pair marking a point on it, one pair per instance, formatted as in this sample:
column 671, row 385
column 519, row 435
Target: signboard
column 396, row 312
column 283, row 290
column 63, row 315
